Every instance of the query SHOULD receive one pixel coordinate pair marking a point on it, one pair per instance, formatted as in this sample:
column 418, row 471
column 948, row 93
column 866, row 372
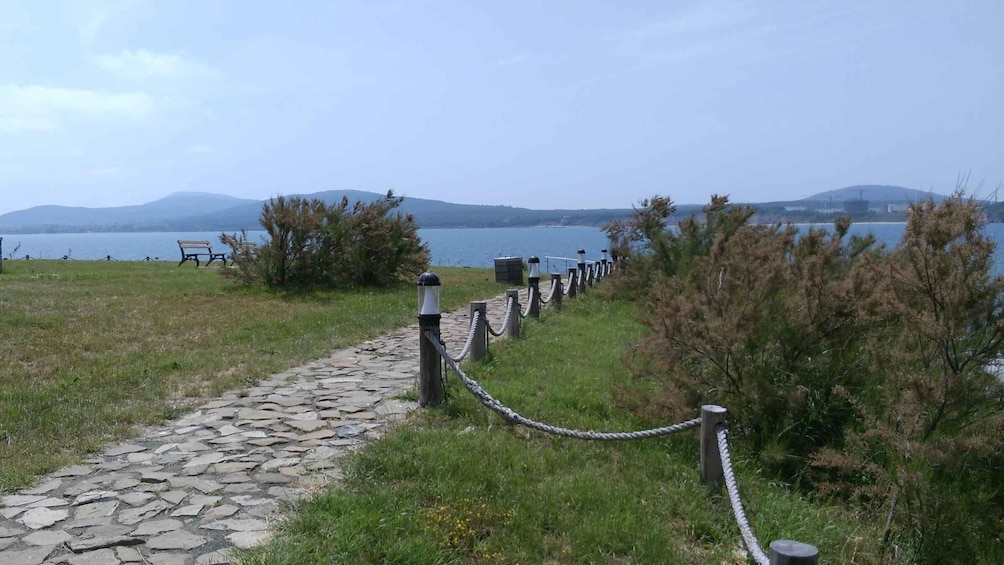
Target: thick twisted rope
column 550, row 293
column 512, row 416
column 529, row 301
column 737, row 505
column 505, row 321
column 470, row 340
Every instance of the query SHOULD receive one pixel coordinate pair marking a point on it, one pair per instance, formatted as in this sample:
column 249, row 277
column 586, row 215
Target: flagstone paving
column 186, row 492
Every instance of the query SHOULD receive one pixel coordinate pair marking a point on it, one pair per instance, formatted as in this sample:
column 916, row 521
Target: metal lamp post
column 582, row 271
column 534, row 279
column 430, row 376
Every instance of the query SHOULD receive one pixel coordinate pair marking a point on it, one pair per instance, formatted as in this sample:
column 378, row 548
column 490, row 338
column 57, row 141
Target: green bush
column 860, row 372
column 313, row 243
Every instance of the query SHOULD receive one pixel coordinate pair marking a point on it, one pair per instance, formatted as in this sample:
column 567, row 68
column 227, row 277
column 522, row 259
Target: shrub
column 313, row 243
column 861, row 372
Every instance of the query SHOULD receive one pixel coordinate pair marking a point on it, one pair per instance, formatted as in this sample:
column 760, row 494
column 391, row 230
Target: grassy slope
column 88, row 350
column 458, row 485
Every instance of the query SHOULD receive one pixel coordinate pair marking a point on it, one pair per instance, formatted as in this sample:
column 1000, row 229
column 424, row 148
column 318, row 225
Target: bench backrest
column 193, row 244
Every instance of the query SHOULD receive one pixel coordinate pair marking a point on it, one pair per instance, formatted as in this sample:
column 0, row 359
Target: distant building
column 858, row 206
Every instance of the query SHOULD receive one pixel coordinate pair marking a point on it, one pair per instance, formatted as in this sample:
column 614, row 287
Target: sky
column 558, row 104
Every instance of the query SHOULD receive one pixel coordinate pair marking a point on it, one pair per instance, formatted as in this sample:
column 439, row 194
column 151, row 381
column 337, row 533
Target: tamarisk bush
column 860, row 372
column 314, row 243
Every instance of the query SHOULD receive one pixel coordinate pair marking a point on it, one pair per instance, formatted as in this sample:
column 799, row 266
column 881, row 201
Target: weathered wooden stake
column 788, row 552
column 479, row 349
column 1, row 255
column 430, row 370
column 559, row 290
column 711, row 460
column 572, row 284
column 513, row 328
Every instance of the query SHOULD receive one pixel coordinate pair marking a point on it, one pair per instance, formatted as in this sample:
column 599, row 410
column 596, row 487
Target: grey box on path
column 509, row 270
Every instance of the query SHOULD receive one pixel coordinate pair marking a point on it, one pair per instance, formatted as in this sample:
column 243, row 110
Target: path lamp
column 430, row 376
column 534, row 278
column 603, row 262
column 582, row 271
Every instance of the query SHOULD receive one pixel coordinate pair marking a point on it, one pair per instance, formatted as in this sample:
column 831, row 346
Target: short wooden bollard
column 788, row 552
column 534, row 296
column 1, row 255
column 571, row 282
column 711, row 459
column 513, row 328
column 479, row 349
column 430, row 370
column 582, row 278
column 558, row 291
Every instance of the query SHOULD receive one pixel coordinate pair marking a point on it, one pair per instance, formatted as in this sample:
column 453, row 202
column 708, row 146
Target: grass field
column 459, row 485
column 89, row 350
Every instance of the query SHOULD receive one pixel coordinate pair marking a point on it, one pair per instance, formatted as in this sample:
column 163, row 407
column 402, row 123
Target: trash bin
column 509, row 270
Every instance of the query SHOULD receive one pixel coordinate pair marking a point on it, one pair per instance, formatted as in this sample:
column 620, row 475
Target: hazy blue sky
column 543, row 104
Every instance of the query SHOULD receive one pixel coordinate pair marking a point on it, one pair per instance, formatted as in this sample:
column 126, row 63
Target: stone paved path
column 186, row 492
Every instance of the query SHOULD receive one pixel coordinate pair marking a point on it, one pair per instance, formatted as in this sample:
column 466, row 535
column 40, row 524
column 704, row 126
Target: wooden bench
column 192, row 249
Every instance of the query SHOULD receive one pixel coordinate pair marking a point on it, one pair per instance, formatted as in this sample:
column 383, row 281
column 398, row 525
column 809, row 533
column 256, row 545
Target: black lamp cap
column 533, row 259
column 429, row 279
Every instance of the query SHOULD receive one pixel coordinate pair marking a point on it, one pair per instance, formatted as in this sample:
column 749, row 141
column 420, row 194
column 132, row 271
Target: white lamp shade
column 428, row 300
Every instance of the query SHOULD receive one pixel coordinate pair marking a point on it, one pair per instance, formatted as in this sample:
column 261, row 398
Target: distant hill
column 875, row 193
column 212, row 212
column 172, row 207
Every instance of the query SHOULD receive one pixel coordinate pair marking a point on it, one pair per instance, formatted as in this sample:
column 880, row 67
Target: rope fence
column 716, row 463
column 749, row 538
column 467, row 345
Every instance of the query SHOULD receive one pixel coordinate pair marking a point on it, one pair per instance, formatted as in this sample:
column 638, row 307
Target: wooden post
column 534, row 309
column 559, row 291
column 513, row 328
column 572, row 284
column 430, row 370
column 711, row 460
column 1, row 255
column 582, row 278
column 479, row 349
column 787, row 552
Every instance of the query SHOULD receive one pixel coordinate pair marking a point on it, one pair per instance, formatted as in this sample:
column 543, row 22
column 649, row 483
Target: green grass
column 89, row 350
column 458, row 485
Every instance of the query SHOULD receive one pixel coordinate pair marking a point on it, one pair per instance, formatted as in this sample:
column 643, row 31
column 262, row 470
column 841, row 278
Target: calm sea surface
column 556, row 247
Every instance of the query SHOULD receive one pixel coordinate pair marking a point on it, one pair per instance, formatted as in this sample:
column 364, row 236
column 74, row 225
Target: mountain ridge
column 206, row 211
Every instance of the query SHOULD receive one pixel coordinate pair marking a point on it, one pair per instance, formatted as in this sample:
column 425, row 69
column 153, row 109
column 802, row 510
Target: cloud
column 43, row 108
column 143, row 65
column 107, row 172
column 90, row 17
column 700, row 19
column 512, row 60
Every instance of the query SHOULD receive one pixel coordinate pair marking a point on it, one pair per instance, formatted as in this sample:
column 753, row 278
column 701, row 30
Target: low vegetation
column 92, row 349
column 459, row 485
column 311, row 243
column 863, row 375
